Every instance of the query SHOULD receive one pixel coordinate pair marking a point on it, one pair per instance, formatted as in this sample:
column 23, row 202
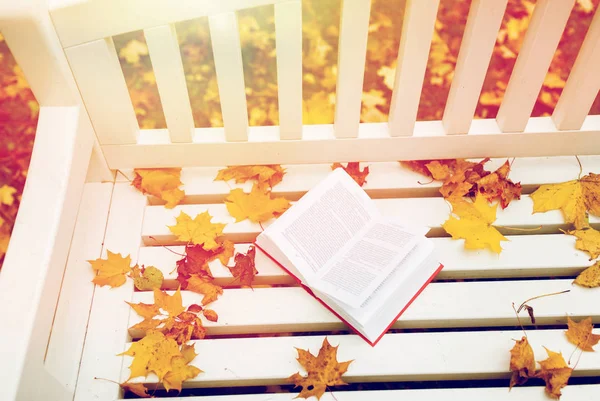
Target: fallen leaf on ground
column 255, row 206
column 202, row 286
column 474, row 225
column 590, row 277
column 136, row 388
column 555, row 372
column 266, row 176
column 522, row 362
column 244, row 268
column 112, row 271
column 210, row 315
column 152, row 354
column 181, row 369
column 199, row 231
column 353, row 169
column 197, row 258
column 580, row 334
column 147, row 278
column 588, row 240
column 161, row 182
column 322, row 370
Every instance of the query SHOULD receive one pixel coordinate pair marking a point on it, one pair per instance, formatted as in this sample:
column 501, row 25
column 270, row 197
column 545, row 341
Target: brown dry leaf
column 353, row 169
column 257, row 206
column 202, row 286
column 522, row 362
column 590, row 277
column 244, row 268
column 199, row 231
column 498, row 186
column 161, row 182
column 147, row 278
column 152, row 354
column 580, row 334
column 181, row 369
column 555, row 372
column 418, row 166
column 266, row 176
column 197, row 258
column 136, row 388
column 111, row 271
column 184, row 327
column 475, row 224
column 323, row 370
column 588, row 240
column 210, row 315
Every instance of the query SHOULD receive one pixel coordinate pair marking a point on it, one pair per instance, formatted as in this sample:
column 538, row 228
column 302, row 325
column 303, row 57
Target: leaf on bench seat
column 163, row 183
column 555, row 372
column 353, row 169
column 198, row 231
column 256, row 206
column 265, row 176
column 580, row 334
column 147, row 278
column 522, row 362
column 590, row 277
column 112, row 271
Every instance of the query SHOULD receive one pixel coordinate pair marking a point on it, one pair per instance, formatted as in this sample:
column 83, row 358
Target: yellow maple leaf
column 181, row 368
column 522, row 362
column 580, row 334
column 133, row 50
column 475, row 224
column 255, row 206
column 161, row 182
column 203, row 286
column 147, row 311
column 199, row 231
column 7, row 195
column 152, row 354
column 172, row 304
column 555, row 372
column 323, row 370
column 265, row 175
column 111, row 271
column 588, row 240
column 590, row 277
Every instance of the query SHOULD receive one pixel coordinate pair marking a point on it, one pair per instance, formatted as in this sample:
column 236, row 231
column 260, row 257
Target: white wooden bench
column 59, row 332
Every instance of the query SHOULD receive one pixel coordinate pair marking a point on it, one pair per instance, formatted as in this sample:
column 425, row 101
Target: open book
column 364, row 267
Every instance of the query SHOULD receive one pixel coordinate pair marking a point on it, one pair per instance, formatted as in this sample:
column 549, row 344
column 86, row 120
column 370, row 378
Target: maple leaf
column 522, row 362
column 147, row 311
column 161, row 182
column 184, row 327
column 197, row 258
column 266, row 176
column 152, row 354
column 244, row 268
column 202, row 286
column 573, row 198
column 590, row 277
column 497, row 186
column 588, row 240
column 211, row 315
column 257, row 206
column 146, row 279
column 474, row 225
column 323, row 370
column 353, row 169
column 580, row 334
column 418, row 166
column 136, row 388
column 181, row 369
column 111, row 271
column 555, row 372
column 199, row 231
column 172, row 304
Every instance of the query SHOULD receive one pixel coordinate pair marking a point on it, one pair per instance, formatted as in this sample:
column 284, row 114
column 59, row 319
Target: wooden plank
column 583, row 84
column 99, row 77
column 170, row 79
column 107, row 326
column 428, row 212
column 541, row 40
column 541, row 138
column 288, row 37
column 483, row 23
column 552, row 255
column 352, row 53
column 415, row 41
column 227, row 53
column 441, row 305
column 72, row 312
column 397, row 357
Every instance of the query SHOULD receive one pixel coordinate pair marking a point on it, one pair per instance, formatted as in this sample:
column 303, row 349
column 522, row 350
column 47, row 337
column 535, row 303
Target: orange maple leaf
column 136, row 388
column 497, row 186
column 203, row 286
column 111, row 271
column 244, row 268
column 522, row 362
column 323, row 370
column 161, row 182
column 580, row 334
column 197, row 258
column 265, row 176
column 256, row 206
column 353, row 170
column 198, row 231
column 555, row 372
column 182, row 370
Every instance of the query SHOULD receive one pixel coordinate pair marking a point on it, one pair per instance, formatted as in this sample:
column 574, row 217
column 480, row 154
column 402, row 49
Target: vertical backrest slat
column 483, row 23
column 101, row 83
column 417, row 32
column 352, row 53
column 583, row 84
column 170, row 79
column 288, row 35
column 230, row 75
column 543, row 34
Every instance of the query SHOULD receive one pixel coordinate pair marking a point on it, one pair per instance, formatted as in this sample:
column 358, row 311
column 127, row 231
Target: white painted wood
column 541, row 138
column 543, row 34
column 583, row 84
column 227, row 53
column 98, row 170
column 415, row 41
column 72, row 312
column 288, row 36
column 107, row 326
column 352, row 53
column 113, row 17
column 397, row 357
column 34, row 264
column 101, row 83
column 483, row 23
column 170, row 80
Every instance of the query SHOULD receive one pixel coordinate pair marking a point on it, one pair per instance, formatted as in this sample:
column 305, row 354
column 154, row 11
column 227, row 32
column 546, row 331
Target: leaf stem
column 520, row 229
column 170, row 250
column 519, row 320
column 580, row 167
column 540, row 296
